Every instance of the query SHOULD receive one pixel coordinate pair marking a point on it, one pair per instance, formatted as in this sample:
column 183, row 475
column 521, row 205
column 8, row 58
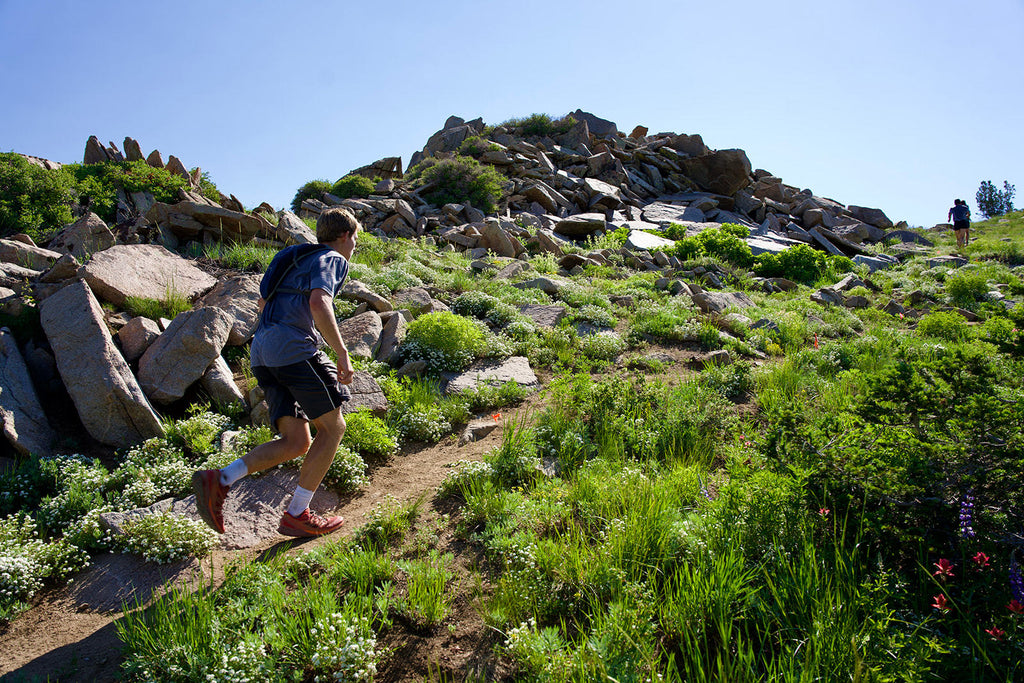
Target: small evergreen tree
column 993, row 202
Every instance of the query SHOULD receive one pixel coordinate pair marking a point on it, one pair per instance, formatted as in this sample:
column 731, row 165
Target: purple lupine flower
column 967, row 517
column 1016, row 581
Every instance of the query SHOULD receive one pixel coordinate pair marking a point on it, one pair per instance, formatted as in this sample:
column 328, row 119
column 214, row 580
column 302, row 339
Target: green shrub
column 464, row 179
column 173, row 304
column 445, row 341
column 799, row 263
column 540, row 125
column 719, row 243
column 369, row 436
column 352, row 186
column 947, row 326
column 966, row 287
column 475, row 146
column 33, row 200
column 314, row 189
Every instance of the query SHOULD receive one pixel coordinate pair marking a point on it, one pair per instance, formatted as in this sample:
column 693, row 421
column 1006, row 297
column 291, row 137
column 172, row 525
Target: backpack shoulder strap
column 277, row 272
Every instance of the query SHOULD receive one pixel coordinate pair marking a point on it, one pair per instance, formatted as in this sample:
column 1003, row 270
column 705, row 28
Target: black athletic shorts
column 303, row 389
column 961, row 225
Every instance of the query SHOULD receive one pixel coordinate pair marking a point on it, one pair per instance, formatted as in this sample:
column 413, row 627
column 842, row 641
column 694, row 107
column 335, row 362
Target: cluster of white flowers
column 26, row 560
column 347, row 472
column 345, row 650
column 595, row 315
column 438, row 360
column 423, row 423
column 517, row 636
column 243, row 662
column 164, row 538
column 20, row 577
column 464, row 471
column 603, row 346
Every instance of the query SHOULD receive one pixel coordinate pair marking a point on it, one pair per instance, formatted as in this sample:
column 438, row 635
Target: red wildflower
column 1015, row 606
column 941, row 603
column 943, row 569
column 824, row 512
column 996, row 632
column 815, row 340
column 496, row 416
column 981, row 559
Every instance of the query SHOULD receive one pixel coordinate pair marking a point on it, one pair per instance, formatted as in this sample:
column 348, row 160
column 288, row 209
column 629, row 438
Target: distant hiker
column 960, row 214
column 301, row 384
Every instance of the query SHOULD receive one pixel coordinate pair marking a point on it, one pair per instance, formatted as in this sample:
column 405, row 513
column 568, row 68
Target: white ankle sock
column 300, row 501
column 233, row 472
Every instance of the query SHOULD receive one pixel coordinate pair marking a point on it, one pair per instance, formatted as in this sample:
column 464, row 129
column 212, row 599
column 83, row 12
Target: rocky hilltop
column 565, row 185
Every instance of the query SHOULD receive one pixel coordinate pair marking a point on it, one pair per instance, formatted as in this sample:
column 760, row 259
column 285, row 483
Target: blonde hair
column 334, row 223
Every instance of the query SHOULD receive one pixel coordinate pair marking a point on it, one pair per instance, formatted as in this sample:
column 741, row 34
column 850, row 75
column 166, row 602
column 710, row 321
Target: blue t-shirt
column 961, row 212
column 286, row 333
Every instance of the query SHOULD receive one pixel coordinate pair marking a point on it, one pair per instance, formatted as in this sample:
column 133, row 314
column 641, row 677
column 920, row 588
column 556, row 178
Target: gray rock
column 252, row 510
column 548, row 243
column 137, row 336
column 515, row 369
column 717, row 357
column 238, row 296
column 717, row 302
column 638, row 240
column 543, row 315
column 24, row 422
column 27, row 255
column 65, row 268
column 829, row 296
column 366, row 394
column 108, row 399
column 361, row 333
column 857, row 301
column 415, row 299
column 894, row 308
column 357, row 291
column 183, row 352
column 825, row 242
column 723, row 172
column 875, row 217
column 947, row 261
column 872, row 262
column 511, row 270
column 545, row 284
column 581, row 225
column 390, row 338
column 907, row 236
column 86, row 236
column 293, row 230
column 219, row 383
column 143, row 270
column 494, row 239
column 476, row 430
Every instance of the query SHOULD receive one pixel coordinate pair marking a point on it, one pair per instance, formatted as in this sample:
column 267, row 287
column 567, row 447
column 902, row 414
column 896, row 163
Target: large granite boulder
column 875, row 217
column 494, row 239
column 143, row 270
column 219, row 383
column 717, row 302
column 515, row 369
column 725, row 172
column 581, row 225
column 86, row 236
column 27, row 255
column 293, row 230
column 361, row 333
column 238, row 296
column 137, row 336
column 109, row 401
column 638, row 240
column 24, row 423
column 182, row 354
column 366, row 394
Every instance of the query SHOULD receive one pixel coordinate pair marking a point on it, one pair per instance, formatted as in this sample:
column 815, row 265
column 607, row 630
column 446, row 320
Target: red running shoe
column 308, row 525
column 210, row 495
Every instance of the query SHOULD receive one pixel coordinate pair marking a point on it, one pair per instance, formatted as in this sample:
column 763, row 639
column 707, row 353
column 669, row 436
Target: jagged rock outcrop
column 24, row 423
column 86, row 236
column 109, row 401
column 183, row 352
column 143, row 270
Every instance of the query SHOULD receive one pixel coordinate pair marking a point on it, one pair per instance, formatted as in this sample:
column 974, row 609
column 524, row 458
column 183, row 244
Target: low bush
column 800, row 263
column 445, row 341
column 949, row 327
column 722, row 244
column 353, row 186
column 314, row 189
column 475, row 146
column 540, row 125
column 966, row 288
column 463, row 180
column 368, row 435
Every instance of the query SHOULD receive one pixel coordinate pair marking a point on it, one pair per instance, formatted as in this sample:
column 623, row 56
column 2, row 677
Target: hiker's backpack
column 283, row 264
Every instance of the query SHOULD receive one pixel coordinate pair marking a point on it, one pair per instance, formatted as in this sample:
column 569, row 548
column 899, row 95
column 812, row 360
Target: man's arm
column 322, row 308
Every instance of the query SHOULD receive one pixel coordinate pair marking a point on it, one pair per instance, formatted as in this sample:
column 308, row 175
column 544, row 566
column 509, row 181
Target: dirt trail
column 61, row 638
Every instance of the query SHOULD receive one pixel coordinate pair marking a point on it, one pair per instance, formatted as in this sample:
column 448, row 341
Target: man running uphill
column 299, row 380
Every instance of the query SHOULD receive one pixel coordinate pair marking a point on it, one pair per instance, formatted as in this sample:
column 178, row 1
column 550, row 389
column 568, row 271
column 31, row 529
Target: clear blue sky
column 901, row 105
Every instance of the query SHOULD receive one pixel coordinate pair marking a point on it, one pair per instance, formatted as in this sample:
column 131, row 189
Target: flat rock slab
column 23, row 420
column 639, row 240
column 515, row 369
column 143, row 270
column 543, row 315
column 366, row 394
column 114, row 581
column 252, row 510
